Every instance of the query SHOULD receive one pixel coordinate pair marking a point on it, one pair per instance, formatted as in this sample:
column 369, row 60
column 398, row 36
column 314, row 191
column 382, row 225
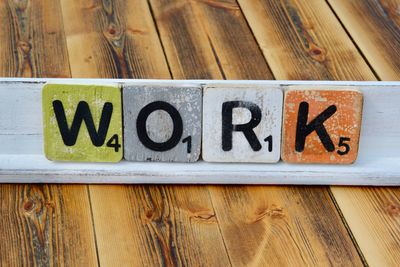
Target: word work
column 215, row 123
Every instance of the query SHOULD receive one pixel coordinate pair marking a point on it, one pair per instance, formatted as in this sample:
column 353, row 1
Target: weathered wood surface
column 32, row 39
column 106, row 216
column 113, row 39
column 374, row 27
column 161, row 229
column 194, row 225
column 303, row 40
column 282, row 226
column 48, row 224
column 174, row 14
column 208, row 40
column 352, row 67
column 373, row 215
column 157, row 226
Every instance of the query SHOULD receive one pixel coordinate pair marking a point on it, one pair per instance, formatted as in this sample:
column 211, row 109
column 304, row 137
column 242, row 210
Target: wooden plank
column 282, row 226
column 303, row 40
column 46, row 225
column 157, row 225
column 208, row 40
column 373, row 217
column 170, row 17
column 374, row 26
column 166, row 227
column 372, row 213
column 297, row 41
column 112, row 39
column 40, row 224
column 32, row 39
column 348, row 199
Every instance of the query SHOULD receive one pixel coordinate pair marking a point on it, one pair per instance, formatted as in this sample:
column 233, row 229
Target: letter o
column 177, row 126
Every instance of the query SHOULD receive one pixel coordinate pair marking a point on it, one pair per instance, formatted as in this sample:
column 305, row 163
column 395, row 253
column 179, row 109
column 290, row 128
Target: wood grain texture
column 113, row 39
column 179, row 29
column 156, row 226
column 181, row 224
column 32, row 39
column 170, row 236
column 208, row 39
column 373, row 215
column 282, row 226
column 303, row 40
column 235, row 49
column 45, row 225
column 375, row 28
column 157, row 244
column 40, row 225
column 320, row 22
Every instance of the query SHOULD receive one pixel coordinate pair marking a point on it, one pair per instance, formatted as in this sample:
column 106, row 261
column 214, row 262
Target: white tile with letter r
column 242, row 123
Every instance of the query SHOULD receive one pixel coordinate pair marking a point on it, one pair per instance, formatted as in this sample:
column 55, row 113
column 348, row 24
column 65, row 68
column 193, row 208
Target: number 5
column 346, row 146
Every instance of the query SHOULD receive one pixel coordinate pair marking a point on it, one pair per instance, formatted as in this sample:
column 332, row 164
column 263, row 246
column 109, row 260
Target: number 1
column 269, row 140
column 189, row 143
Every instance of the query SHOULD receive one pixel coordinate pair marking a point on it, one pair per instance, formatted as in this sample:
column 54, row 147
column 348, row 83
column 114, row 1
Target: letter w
column 83, row 113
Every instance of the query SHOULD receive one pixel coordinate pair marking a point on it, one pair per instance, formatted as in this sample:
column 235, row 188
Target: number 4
column 113, row 142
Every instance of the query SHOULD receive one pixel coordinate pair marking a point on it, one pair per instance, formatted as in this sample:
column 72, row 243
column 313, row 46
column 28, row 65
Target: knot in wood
column 317, row 53
column 149, row 214
column 273, row 212
column 112, row 31
column 29, row 205
column 25, row 47
column 207, row 216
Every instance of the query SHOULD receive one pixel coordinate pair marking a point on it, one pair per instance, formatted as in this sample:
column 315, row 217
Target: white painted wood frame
column 22, row 159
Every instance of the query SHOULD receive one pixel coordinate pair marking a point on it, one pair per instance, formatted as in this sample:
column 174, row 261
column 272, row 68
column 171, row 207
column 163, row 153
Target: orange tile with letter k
column 321, row 126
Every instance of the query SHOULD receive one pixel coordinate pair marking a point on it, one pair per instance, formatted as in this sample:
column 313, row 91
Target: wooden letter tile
column 82, row 123
column 321, row 126
column 242, row 123
column 162, row 123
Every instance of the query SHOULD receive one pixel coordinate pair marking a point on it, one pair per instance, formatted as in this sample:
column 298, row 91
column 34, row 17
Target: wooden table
column 117, row 225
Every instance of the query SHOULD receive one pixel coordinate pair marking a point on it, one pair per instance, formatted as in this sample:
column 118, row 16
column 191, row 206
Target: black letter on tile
column 83, row 113
column 303, row 129
column 247, row 128
column 177, row 124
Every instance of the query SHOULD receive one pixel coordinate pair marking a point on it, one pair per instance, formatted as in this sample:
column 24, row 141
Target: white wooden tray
column 22, row 159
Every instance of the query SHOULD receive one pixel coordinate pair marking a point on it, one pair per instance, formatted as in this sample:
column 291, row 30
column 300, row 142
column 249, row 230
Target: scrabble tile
column 162, row 123
column 82, row 123
column 242, row 123
column 321, row 126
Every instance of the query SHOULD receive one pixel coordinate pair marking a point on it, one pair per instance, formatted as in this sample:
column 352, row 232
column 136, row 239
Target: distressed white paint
column 22, row 159
column 268, row 99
